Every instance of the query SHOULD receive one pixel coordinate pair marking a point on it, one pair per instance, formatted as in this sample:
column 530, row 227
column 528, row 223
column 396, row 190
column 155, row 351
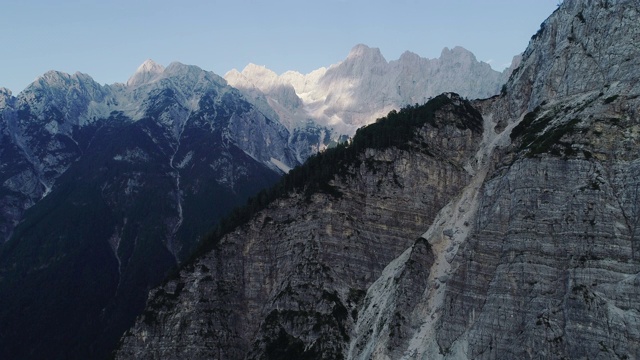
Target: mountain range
column 348, row 95
column 108, row 188
column 500, row 228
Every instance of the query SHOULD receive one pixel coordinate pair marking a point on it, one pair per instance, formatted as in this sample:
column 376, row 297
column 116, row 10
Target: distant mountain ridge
column 365, row 86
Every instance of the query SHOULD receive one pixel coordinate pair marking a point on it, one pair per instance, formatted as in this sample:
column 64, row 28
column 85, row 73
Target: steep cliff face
column 290, row 281
column 582, row 47
column 529, row 240
column 549, row 267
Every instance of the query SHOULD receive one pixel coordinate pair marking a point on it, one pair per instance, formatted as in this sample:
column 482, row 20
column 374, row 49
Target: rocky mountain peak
column 59, row 79
column 256, row 75
column 335, row 97
column 457, row 53
column 360, row 56
column 177, row 67
column 364, row 52
column 150, row 66
column 145, row 73
column 459, row 57
column 259, row 70
column 192, row 76
column 409, row 57
column 78, row 97
column 582, row 46
column 5, row 96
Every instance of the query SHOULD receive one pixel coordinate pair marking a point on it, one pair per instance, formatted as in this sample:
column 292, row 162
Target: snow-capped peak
column 145, row 72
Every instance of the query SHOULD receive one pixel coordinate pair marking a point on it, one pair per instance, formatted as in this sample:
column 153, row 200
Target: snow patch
column 280, row 165
column 132, row 156
column 185, row 161
column 52, row 127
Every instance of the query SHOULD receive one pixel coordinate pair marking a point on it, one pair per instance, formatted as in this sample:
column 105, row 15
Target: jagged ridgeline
column 398, row 129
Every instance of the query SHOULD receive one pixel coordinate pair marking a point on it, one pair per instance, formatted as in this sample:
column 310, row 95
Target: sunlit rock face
column 365, row 86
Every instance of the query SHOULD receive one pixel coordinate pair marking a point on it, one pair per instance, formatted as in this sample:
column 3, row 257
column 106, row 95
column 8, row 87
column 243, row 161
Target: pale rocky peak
column 457, row 51
column 304, row 83
column 583, row 46
column 236, row 79
column 458, row 55
column 515, row 62
column 365, row 53
column 145, row 72
column 261, row 77
column 193, row 73
column 409, row 56
column 150, row 66
column 5, row 97
column 5, row 92
column 178, row 67
column 258, row 70
column 53, row 79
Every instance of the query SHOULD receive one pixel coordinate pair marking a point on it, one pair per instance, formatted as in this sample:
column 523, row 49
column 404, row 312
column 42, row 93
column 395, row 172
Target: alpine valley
column 107, row 189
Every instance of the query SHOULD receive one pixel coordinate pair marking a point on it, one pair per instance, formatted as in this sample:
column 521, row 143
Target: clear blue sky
column 109, row 39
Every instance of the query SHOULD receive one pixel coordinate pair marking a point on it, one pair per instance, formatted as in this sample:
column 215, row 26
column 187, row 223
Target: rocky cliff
column 526, row 222
column 295, row 275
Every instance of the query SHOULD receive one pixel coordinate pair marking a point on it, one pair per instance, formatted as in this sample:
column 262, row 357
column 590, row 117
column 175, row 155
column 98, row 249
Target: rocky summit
column 494, row 229
column 365, row 86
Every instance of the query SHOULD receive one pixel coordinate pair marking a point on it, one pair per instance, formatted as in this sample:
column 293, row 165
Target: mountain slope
column 548, row 268
column 531, row 251
column 110, row 188
column 305, row 262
